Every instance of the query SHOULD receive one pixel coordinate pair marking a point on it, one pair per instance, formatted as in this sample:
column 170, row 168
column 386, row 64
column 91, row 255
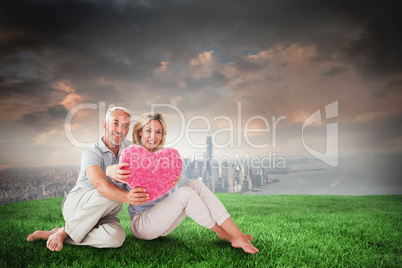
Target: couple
column 90, row 208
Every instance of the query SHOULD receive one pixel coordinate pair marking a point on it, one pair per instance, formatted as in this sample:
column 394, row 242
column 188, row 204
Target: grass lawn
column 291, row 231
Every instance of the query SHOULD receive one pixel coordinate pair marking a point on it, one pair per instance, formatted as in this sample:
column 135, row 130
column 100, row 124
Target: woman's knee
column 140, row 235
column 183, row 194
column 195, row 183
column 146, row 236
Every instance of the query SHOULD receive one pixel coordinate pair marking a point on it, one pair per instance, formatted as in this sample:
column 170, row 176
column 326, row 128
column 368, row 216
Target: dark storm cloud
column 81, row 38
column 335, row 71
column 82, row 41
column 215, row 80
column 56, row 54
column 377, row 51
column 245, row 66
column 391, row 86
column 47, row 118
column 100, row 92
column 128, row 40
column 16, row 85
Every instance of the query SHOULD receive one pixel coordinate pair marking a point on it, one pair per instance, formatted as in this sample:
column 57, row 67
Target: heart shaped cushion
column 153, row 171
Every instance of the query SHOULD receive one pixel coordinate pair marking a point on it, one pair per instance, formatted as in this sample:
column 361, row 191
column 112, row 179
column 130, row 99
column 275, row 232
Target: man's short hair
column 111, row 110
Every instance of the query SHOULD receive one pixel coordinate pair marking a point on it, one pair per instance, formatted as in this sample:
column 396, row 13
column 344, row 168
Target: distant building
column 208, row 181
column 222, row 177
column 209, row 155
column 215, row 169
column 198, row 168
column 186, row 171
column 36, row 183
column 238, row 177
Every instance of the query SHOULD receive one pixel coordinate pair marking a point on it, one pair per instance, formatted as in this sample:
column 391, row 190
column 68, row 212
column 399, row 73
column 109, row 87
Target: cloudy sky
column 219, row 68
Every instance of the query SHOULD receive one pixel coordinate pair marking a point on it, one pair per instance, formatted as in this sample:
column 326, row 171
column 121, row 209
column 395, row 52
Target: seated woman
column 161, row 216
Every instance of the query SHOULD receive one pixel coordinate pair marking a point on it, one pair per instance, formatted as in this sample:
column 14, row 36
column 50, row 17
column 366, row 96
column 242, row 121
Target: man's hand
column 117, row 173
column 137, row 196
column 176, row 182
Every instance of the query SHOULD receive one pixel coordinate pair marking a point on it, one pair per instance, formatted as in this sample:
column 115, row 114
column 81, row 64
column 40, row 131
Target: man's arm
column 107, row 189
column 116, row 173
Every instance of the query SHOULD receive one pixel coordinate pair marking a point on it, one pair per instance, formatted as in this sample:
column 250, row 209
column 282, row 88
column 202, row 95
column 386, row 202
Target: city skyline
column 248, row 74
column 353, row 176
column 44, row 182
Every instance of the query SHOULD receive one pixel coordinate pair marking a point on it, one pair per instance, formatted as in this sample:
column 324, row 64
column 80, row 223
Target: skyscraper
column 209, row 155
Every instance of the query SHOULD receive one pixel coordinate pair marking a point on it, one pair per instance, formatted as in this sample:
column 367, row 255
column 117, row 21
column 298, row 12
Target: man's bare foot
column 43, row 235
column 244, row 243
column 55, row 241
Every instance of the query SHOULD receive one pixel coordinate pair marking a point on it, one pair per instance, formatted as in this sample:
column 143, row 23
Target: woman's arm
column 176, row 182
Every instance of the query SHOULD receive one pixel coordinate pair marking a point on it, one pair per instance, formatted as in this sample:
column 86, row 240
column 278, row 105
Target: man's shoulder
column 92, row 152
column 100, row 148
column 96, row 148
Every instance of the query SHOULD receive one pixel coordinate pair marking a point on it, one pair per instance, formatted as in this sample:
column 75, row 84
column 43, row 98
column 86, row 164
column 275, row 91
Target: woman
column 161, row 216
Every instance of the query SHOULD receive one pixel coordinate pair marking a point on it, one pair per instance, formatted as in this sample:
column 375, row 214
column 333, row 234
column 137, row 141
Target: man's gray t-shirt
column 98, row 155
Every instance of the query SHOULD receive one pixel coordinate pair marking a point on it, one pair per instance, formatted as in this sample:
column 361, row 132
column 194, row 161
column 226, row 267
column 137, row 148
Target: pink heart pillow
column 153, row 171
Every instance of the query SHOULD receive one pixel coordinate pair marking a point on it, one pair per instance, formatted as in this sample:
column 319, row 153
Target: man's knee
column 116, row 237
column 117, row 206
column 110, row 206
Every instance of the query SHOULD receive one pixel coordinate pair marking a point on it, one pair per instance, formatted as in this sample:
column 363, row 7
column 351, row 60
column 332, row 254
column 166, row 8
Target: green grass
column 291, row 231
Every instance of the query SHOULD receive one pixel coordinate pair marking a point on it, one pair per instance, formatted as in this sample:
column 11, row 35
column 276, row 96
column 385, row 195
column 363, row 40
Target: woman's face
column 151, row 135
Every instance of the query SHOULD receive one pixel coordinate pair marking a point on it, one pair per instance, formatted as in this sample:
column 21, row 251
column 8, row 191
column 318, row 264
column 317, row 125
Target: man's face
column 116, row 128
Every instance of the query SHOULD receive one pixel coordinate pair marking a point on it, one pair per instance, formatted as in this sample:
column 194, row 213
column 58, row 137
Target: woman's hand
column 138, row 196
column 176, row 182
column 117, row 173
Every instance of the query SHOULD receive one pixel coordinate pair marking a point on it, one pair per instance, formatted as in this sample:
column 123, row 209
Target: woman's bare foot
column 244, row 243
column 43, row 235
column 55, row 241
column 249, row 237
column 228, row 230
column 225, row 236
column 222, row 234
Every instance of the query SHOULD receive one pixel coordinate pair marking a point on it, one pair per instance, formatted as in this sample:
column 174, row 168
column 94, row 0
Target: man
column 90, row 209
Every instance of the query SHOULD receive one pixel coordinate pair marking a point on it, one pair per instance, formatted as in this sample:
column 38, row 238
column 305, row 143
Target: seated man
column 90, row 208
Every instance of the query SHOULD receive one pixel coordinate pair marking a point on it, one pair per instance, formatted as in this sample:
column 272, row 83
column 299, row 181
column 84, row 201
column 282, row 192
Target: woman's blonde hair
column 142, row 121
